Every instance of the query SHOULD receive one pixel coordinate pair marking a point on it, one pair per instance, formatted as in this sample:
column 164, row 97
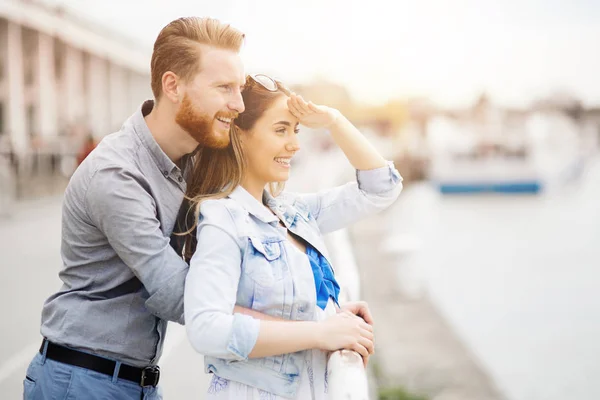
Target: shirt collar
column 252, row 205
column 141, row 129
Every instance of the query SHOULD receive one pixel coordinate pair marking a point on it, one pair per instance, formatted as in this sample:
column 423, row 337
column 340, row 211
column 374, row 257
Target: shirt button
column 180, row 179
column 166, row 173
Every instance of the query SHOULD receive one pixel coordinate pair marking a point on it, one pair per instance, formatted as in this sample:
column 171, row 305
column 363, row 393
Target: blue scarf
column 325, row 282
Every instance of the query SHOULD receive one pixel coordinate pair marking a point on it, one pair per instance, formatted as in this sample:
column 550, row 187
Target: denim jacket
column 242, row 258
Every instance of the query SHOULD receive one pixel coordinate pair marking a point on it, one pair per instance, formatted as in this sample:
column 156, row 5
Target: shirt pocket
column 264, row 261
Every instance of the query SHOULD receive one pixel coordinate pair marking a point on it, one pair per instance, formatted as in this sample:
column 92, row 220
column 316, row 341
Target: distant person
column 88, row 145
column 264, row 250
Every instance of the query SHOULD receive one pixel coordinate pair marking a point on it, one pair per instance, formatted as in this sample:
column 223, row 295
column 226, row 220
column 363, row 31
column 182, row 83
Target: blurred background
column 483, row 278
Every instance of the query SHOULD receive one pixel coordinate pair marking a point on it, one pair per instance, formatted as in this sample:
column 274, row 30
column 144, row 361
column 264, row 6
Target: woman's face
column 270, row 145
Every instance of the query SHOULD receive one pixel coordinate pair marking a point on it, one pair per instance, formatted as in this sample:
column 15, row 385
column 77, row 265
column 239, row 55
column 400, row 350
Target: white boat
column 476, row 173
column 546, row 150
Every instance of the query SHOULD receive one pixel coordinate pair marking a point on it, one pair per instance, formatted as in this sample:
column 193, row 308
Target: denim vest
column 243, row 258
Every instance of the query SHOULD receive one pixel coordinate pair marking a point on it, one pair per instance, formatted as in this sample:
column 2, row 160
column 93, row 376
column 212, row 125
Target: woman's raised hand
column 311, row 115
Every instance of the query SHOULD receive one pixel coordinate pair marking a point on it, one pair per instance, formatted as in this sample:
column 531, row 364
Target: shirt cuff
column 378, row 180
column 167, row 302
column 244, row 335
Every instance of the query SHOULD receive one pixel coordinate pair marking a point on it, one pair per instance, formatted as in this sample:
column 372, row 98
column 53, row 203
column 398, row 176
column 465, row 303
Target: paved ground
column 415, row 347
column 30, row 261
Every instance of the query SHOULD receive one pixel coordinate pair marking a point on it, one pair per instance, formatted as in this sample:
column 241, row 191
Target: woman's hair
column 217, row 172
column 176, row 47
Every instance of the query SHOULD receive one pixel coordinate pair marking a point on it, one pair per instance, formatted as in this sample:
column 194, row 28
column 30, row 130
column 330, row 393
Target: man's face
column 212, row 99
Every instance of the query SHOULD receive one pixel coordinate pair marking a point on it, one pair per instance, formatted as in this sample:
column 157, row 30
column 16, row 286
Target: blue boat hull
column 532, row 187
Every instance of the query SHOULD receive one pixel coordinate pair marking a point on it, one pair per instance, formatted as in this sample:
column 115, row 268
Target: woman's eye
column 280, row 131
column 296, row 131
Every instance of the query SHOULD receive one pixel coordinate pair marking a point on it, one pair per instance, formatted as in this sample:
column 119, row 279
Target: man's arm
column 125, row 212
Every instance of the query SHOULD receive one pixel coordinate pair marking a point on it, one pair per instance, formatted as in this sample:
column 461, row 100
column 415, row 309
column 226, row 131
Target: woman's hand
column 311, row 115
column 346, row 331
column 358, row 308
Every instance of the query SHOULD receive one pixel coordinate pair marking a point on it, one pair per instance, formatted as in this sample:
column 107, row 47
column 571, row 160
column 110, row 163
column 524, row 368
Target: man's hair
column 176, row 47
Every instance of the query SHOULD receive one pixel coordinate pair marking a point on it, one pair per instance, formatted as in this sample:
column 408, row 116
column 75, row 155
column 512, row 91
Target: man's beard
column 200, row 125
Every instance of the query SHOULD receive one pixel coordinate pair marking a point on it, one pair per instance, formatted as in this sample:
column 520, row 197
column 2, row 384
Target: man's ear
column 171, row 87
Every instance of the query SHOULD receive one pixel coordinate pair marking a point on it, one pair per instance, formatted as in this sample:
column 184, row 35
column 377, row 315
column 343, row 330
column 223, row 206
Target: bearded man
column 103, row 331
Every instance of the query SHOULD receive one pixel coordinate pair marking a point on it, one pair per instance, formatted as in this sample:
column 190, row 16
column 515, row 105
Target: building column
column 98, row 109
column 119, row 93
column 73, row 84
column 46, row 94
column 140, row 89
column 15, row 110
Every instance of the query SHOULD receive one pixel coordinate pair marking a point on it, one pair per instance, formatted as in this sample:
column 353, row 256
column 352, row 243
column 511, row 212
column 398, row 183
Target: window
column 28, row 73
column 59, row 59
column 85, row 73
column 31, row 121
column 29, row 50
column 1, row 118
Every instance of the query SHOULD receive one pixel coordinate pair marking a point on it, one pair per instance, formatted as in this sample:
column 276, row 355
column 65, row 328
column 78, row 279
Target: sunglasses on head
column 265, row 81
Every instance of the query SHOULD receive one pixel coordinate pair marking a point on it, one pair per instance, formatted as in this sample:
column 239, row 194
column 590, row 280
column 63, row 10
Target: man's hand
column 360, row 309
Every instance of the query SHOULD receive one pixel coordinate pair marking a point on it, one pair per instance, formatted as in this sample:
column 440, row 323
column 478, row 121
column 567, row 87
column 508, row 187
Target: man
column 104, row 330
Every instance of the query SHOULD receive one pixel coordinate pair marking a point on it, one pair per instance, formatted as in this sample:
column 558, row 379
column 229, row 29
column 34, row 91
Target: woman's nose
column 293, row 146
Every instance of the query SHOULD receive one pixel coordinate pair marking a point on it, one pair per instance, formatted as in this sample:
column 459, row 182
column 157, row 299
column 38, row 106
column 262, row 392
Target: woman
column 263, row 250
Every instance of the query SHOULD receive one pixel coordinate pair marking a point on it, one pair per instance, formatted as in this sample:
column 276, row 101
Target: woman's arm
column 341, row 331
column 211, row 292
column 357, row 149
column 211, row 289
column 255, row 314
column 377, row 185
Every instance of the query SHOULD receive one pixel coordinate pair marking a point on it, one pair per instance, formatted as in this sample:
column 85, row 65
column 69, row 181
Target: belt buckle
column 150, row 376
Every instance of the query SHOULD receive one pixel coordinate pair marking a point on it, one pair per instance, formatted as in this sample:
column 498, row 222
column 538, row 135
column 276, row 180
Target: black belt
column 147, row 376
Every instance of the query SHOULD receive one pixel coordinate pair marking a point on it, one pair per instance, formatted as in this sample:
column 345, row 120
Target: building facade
column 62, row 78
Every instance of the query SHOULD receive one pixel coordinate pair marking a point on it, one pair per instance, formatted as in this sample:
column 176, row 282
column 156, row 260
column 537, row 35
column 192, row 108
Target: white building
column 61, row 77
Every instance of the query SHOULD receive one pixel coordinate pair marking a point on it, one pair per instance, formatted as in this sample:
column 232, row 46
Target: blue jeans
column 49, row 379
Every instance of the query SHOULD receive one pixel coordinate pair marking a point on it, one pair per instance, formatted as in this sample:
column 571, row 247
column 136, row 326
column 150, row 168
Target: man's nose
column 237, row 103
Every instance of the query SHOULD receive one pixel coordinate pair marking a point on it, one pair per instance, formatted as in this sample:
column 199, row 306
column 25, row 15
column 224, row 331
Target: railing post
column 347, row 377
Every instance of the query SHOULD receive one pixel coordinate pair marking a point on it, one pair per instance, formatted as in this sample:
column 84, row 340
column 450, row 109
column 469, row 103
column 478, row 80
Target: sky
column 447, row 50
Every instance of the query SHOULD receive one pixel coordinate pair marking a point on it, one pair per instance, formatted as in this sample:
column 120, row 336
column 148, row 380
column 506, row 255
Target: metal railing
column 347, row 377
column 346, row 374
